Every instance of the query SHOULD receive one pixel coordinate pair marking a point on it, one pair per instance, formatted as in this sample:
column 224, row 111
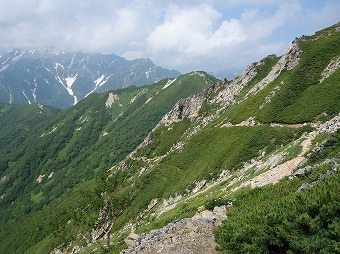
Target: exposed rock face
column 226, row 91
column 111, row 99
column 335, row 166
column 288, row 61
column 189, row 235
column 184, row 108
column 230, row 90
column 102, row 224
column 270, row 96
column 223, row 93
column 330, row 126
column 331, row 68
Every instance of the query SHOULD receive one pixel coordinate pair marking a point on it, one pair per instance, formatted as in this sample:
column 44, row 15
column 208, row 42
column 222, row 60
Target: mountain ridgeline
column 74, row 145
column 61, row 79
column 155, row 168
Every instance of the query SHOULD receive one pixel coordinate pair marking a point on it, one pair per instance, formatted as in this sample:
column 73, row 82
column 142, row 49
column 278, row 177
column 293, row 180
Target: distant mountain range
column 60, row 79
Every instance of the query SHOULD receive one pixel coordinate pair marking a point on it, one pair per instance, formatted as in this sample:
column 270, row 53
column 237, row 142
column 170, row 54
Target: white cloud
column 184, row 30
column 253, row 2
column 199, row 33
column 185, row 35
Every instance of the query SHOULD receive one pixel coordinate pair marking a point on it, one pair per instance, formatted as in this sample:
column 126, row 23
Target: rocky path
column 275, row 174
column 186, row 236
column 194, row 235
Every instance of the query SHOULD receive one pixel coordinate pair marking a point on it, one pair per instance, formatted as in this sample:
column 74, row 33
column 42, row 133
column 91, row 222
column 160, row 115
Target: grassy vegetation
column 277, row 219
column 79, row 145
column 301, row 98
column 204, row 156
column 43, row 226
column 164, row 138
column 71, row 146
column 262, row 70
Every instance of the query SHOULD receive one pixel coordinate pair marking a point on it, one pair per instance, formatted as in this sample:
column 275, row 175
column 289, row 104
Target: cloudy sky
column 186, row 35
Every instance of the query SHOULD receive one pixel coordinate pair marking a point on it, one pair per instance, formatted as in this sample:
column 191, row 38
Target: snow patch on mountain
column 147, row 73
column 101, row 81
column 69, row 67
column 34, row 90
column 10, row 96
column 69, row 83
column 6, row 60
column 58, row 65
column 52, row 67
column 17, row 57
column 28, row 100
column 98, row 83
column 4, row 67
column 47, row 70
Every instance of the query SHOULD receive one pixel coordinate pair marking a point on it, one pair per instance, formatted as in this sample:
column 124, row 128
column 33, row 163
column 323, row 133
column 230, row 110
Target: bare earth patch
column 275, row 174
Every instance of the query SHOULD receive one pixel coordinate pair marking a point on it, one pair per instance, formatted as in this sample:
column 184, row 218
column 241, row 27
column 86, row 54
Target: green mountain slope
column 215, row 147
column 17, row 123
column 206, row 143
column 77, row 144
column 303, row 94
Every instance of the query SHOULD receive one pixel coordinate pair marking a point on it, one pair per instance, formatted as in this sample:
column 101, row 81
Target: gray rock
column 142, row 245
column 134, row 236
column 180, row 225
column 301, row 171
column 220, row 211
column 305, row 186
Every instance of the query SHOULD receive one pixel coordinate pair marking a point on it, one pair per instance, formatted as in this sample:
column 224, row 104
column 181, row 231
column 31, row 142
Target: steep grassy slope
column 303, row 94
column 287, row 218
column 189, row 151
column 77, row 144
column 199, row 155
column 16, row 125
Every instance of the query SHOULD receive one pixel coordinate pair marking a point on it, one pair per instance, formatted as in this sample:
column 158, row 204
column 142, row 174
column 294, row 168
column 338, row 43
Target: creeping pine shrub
column 277, row 219
column 217, row 202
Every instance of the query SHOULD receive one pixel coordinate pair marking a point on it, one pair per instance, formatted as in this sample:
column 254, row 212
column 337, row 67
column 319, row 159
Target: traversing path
column 285, row 169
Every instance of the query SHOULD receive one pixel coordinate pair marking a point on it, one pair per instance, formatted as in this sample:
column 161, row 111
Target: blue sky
column 209, row 35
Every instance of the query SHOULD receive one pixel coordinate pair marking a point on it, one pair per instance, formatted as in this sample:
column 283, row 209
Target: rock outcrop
column 184, row 108
column 288, row 61
column 331, row 68
column 330, row 126
column 111, row 99
column 189, row 235
column 224, row 92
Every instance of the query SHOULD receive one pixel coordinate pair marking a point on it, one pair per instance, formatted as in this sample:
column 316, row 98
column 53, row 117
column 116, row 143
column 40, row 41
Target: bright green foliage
column 216, row 202
column 277, row 219
column 301, row 98
column 44, row 226
column 17, row 123
column 164, row 138
column 262, row 71
column 204, row 156
column 83, row 145
column 76, row 145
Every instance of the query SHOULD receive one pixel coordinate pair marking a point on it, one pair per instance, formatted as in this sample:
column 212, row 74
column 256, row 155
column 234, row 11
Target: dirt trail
column 275, row 174
column 194, row 235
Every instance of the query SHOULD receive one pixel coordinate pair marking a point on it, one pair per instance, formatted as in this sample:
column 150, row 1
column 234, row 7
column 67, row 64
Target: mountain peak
column 60, row 79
